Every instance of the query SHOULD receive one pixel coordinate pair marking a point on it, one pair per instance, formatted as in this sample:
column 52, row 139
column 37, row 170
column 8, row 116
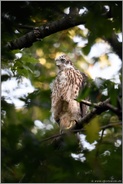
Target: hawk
column 65, row 109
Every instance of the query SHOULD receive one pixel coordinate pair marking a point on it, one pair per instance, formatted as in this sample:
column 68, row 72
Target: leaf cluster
column 27, row 157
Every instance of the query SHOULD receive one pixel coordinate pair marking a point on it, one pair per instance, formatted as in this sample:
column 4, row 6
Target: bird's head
column 63, row 61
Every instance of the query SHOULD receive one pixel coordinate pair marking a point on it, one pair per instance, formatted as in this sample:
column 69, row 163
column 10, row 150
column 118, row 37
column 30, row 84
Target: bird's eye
column 62, row 59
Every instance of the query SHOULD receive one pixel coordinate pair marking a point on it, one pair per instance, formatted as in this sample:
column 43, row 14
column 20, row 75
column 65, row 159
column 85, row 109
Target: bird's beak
column 57, row 63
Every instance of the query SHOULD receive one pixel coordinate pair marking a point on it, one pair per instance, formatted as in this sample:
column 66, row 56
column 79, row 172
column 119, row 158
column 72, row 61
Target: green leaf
column 92, row 130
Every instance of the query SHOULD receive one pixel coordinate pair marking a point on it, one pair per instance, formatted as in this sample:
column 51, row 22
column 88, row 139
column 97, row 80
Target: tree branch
column 95, row 104
column 102, row 106
column 39, row 33
column 80, row 130
column 68, row 21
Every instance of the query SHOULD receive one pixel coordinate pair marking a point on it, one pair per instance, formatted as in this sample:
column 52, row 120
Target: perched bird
column 65, row 109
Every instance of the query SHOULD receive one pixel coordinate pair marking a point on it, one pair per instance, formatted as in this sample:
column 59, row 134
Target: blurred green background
column 25, row 158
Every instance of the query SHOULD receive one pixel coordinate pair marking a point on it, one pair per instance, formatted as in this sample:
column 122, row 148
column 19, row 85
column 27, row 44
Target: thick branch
column 68, row 21
column 41, row 32
column 104, row 106
column 116, row 45
column 91, row 115
column 100, row 107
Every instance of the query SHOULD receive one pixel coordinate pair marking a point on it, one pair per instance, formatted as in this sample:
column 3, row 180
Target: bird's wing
column 83, row 107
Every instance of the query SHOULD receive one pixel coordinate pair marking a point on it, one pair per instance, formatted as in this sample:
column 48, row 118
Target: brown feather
column 65, row 89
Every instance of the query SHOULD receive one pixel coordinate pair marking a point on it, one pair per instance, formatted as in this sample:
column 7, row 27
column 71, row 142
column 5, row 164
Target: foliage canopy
column 27, row 155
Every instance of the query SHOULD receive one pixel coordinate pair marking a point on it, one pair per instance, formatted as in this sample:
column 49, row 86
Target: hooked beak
column 57, row 63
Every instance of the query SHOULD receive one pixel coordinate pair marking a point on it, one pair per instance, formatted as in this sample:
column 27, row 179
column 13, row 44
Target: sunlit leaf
column 92, row 130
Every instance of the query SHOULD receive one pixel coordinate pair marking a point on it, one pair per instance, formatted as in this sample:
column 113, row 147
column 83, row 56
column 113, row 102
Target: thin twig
column 102, row 135
column 110, row 125
column 112, row 108
column 21, row 179
column 26, row 27
column 96, row 105
column 52, row 137
column 80, row 130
